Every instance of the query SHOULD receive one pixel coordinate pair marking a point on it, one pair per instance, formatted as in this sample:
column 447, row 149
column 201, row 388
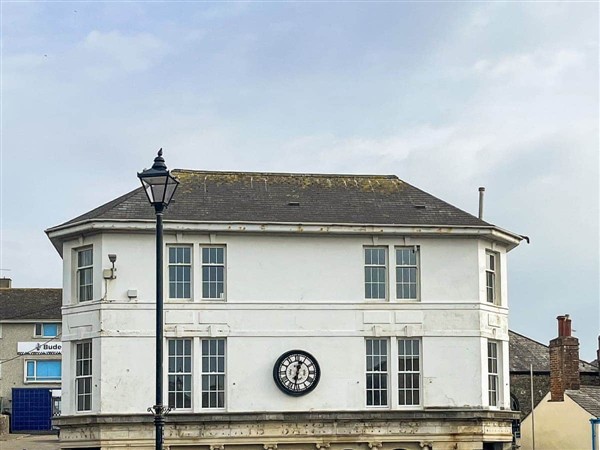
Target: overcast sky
column 448, row 96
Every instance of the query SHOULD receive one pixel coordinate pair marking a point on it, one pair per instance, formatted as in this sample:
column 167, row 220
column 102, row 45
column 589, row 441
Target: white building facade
column 391, row 305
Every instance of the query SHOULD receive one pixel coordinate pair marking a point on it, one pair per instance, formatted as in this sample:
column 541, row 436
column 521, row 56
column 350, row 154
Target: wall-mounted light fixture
column 109, row 274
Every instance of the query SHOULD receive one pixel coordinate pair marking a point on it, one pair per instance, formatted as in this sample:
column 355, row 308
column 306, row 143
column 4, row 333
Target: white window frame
column 35, row 378
column 378, row 265
column 409, row 371
column 180, row 264
column 41, row 325
column 205, row 358
column 210, row 264
column 416, row 266
column 83, row 376
column 174, row 357
column 385, row 374
column 492, row 272
column 493, row 372
column 80, row 270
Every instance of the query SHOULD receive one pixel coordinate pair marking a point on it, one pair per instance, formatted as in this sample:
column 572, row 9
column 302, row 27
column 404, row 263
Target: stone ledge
column 454, row 414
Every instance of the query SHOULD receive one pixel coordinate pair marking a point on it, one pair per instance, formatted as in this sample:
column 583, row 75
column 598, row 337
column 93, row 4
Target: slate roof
column 205, row 196
column 30, row 304
column 525, row 351
column 588, row 397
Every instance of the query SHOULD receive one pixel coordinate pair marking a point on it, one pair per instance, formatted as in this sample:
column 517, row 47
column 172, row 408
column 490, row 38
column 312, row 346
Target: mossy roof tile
column 290, row 198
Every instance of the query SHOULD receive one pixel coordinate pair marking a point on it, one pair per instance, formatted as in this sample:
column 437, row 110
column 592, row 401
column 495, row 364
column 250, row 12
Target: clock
column 296, row 372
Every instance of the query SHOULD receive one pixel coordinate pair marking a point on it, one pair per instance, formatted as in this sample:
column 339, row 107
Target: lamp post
column 159, row 186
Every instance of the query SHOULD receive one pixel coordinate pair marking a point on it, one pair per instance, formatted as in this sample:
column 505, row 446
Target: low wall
column 4, row 422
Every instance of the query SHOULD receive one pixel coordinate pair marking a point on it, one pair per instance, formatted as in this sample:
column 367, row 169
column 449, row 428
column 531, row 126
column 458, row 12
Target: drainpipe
column 595, row 423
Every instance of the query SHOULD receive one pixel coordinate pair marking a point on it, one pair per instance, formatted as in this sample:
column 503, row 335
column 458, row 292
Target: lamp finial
column 159, row 162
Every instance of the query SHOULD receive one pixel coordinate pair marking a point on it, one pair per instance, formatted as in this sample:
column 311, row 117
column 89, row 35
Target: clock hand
column 297, row 371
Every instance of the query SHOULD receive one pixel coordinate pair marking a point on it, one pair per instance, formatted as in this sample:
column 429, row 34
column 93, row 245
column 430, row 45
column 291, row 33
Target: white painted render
column 283, row 292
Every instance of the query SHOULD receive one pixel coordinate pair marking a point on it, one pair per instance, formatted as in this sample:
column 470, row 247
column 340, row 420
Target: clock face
column 296, row 372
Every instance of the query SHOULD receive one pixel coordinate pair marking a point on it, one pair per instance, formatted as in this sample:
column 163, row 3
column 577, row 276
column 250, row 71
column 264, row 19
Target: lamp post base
column 159, row 411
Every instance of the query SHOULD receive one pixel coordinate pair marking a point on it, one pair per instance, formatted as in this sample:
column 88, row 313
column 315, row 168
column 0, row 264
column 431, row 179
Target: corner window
column 42, row 371
column 492, row 358
column 83, row 376
column 409, row 372
column 180, row 373
column 491, row 272
column 407, row 273
column 85, row 285
column 180, row 272
column 213, row 373
column 46, row 330
column 213, row 272
column 377, row 372
column 375, row 272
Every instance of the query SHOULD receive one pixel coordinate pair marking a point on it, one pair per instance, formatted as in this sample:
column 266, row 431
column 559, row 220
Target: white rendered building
column 393, row 302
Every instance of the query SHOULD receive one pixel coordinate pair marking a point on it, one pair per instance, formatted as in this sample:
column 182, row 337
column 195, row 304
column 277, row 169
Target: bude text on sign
column 39, row 348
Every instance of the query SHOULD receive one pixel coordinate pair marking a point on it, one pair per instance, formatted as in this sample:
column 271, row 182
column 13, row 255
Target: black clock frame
column 282, row 387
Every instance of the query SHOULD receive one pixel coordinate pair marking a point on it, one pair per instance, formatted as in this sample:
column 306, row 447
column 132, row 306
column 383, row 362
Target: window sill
column 42, row 381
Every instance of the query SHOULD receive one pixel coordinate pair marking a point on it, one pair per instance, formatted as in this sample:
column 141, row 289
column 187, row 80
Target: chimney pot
column 561, row 325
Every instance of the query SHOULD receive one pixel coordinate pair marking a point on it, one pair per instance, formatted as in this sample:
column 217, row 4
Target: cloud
column 114, row 51
column 225, row 10
column 541, row 67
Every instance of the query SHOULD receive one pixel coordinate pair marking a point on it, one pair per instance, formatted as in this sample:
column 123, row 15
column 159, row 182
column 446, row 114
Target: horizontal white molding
column 189, row 331
column 491, row 232
column 283, row 306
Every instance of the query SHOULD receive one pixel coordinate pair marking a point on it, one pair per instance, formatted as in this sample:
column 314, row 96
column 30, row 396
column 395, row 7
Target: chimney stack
column 5, row 283
column 564, row 361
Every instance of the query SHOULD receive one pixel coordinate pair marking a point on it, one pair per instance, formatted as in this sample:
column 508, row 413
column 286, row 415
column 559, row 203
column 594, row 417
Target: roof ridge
column 529, row 339
column 290, row 174
column 29, row 288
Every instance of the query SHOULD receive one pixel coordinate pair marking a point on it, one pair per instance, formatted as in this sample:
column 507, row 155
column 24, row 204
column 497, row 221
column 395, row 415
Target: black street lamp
column 160, row 187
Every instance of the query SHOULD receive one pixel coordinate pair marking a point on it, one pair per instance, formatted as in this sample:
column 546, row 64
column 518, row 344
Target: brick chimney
column 5, row 283
column 564, row 361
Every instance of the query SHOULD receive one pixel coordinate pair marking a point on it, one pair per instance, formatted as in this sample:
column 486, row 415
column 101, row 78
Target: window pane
column 408, row 372
column 180, row 270
column 213, row 373
column 376, row 376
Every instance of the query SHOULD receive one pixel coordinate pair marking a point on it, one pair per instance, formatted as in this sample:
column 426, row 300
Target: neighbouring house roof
column 30, row 304
column 588, row 397
column 525, row 351
column 290, row 198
